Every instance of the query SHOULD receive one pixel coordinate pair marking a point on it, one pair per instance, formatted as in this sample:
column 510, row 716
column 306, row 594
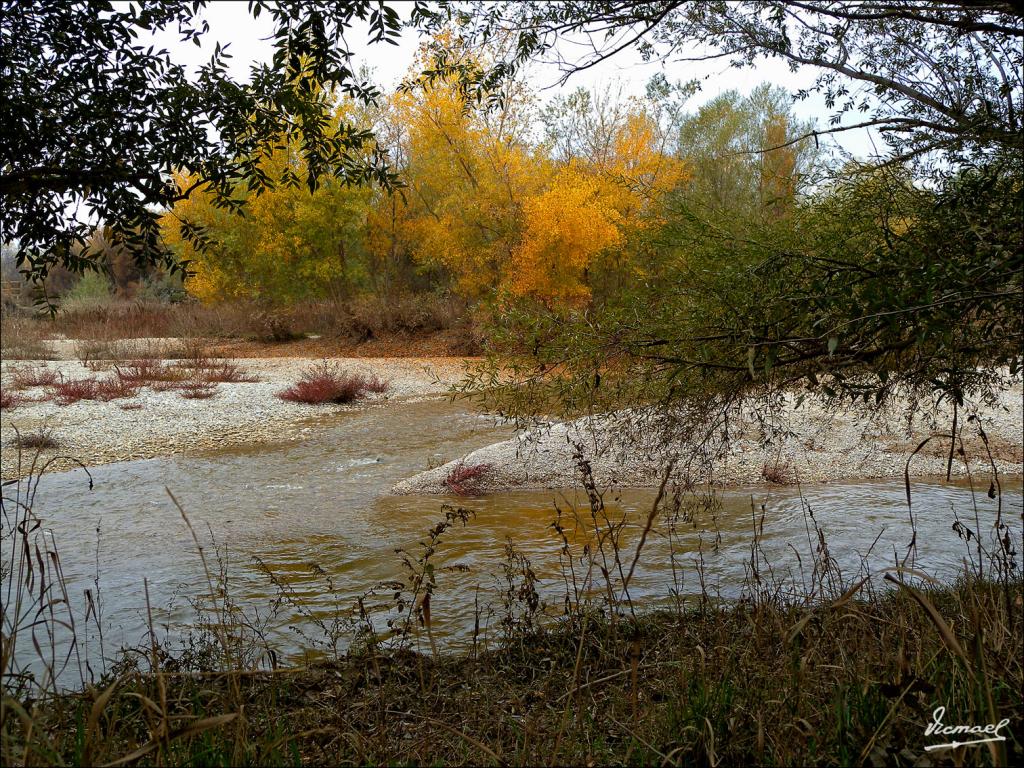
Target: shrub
column 70, row 391
column 375, row 384
column 198, row 390
column 9, row 400
column 463, row 477
column 402, row 313
column 93, row 288
column 114, row 389
column 275, row 325
column 325, row 382
column 778, row 473
column 30, row 376
column 93, row 353
column 141, row 372
column 220, row 370
column 162, row 289
column 35, row 441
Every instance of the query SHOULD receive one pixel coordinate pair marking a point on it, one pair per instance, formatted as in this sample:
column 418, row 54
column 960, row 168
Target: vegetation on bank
column 326, row 382
column 755, row 684
column 643, row 250
column 195, row 376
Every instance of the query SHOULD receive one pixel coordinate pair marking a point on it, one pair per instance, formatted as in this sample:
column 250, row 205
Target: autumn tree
column 467, row 172
column 96, row 119
column 614, row 162
column 754, row 295
column 290, row 243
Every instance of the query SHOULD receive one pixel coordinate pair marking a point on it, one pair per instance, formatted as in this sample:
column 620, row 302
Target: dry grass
column 146, row 371
column 36, row 441
column 778, row 472
column 197, row 390
column 360, row 318
column 223, row 371
column 22, row 337
column 110, row 331
column 326, row 382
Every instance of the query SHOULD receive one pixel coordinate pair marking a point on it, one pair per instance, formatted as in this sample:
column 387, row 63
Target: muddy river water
column 316, row 516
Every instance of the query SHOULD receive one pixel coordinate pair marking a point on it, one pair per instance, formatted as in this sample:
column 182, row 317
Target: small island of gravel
column 805, row 442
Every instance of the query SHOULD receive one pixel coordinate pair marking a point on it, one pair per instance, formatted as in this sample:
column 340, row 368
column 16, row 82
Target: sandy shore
column 806, row 442
column 164, row 423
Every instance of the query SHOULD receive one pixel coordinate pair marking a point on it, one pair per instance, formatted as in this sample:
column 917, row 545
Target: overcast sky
column 230, row 22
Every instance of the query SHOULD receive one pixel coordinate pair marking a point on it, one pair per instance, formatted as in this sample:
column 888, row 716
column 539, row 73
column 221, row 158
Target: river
column 318, row 516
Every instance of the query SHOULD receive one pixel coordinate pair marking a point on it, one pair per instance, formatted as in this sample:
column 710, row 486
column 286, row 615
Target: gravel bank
column 164, row 423
column 805, row 443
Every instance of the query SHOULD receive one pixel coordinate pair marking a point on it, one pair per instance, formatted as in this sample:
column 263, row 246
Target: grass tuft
column 35, row 441
column 326, row 382
column 28, row 376
column 463, row 477
column 197, row 390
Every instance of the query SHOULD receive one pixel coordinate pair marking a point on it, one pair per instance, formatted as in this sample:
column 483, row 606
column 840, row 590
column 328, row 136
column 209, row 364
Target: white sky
column 230, row 22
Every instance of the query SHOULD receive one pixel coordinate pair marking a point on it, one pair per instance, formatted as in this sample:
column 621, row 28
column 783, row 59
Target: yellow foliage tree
column 591, row 211
column 291, row 244
column 484, row 207
column 467, row 173
column 565, row 228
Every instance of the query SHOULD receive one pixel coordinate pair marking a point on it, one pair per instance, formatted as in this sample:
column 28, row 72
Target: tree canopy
column 96, row 119
column 942, row 76
column 905, row 270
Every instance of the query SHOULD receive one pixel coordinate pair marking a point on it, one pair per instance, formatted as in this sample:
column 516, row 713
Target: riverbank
column 801, row 441
column 163, row 423
column 767, row 683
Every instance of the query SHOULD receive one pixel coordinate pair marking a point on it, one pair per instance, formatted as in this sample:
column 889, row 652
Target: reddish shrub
column 198, row 390
column 375, row 384
column 779, row 473
column 33, row 376
column 326, row 383
column 70, row 391
column 115, row 388
column 9, row 400
column 142, row 372
column 463, row 476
